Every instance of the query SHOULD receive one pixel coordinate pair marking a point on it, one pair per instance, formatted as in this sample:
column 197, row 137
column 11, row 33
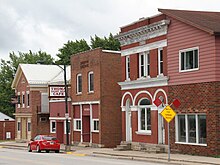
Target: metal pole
column 168, row 141
column 66, row 106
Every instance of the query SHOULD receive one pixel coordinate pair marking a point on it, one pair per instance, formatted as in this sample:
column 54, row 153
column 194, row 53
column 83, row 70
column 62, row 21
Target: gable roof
column 204, row 20
column 36, row 74
column 4, row 117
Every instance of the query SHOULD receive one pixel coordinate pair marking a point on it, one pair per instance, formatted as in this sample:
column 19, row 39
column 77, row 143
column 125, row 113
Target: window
column 189, row 59
column 144, row 64
column 23, row 99
column 19, row 126
column 29, row 126
column 95, row 125
column 77, row 124
column 52, row 126
column 91, row 81
column 160, row 61
column 127, row 67
column 28, row 99
column 144, row 115
column 19, row 99
column 79, row 84
column 191, row 128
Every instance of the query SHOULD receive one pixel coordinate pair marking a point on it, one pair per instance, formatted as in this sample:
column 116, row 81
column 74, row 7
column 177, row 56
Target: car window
column 37, row 138
column 49, row 138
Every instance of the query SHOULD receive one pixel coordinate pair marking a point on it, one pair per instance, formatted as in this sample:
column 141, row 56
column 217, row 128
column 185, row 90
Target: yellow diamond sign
column 168, row 113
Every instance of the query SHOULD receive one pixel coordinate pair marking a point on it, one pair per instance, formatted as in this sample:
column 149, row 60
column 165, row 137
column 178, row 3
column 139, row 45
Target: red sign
column 157, row 102
column 176, row 103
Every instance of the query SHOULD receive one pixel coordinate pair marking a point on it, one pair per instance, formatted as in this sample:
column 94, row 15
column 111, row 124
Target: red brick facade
column 102, row 105
column 7, row 126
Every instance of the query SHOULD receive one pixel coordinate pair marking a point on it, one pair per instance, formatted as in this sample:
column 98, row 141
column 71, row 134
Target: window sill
column 78, row 94
column 188, row 70
column 95, row 131
column 143, row 132
column 77, row 130
column 194, row 144
column 90, row 92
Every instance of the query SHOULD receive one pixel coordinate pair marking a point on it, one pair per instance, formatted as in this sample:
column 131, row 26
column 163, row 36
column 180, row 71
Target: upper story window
column 28, row 99
column 160, row 61
column 91, row 82
column 19, row 99
column 79, row 84
column 144, row 64
column 23, row 99
column 127, row 67
column 189, row 59
column 52, row 126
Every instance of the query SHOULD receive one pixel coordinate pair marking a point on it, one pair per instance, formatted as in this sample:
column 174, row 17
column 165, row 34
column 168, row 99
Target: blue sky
column 47, row 24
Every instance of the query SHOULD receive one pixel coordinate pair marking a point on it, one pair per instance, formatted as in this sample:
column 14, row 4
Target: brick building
column 7, row 127
column 172, row 55
column 57, row 105
column 96, row 97
column 32, row 109
column 144, row 78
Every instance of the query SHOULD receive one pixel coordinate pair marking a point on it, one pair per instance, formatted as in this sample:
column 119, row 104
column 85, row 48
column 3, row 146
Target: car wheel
column 38, row 148
column 47, row 151
column 29, row 148
column 57, row 151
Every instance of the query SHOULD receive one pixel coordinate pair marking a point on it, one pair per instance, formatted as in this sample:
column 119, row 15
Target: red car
column 44, row 142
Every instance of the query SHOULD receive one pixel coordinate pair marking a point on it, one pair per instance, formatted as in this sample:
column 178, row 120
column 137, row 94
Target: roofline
column 111, row 51
column 16, row 77
column 211, row 32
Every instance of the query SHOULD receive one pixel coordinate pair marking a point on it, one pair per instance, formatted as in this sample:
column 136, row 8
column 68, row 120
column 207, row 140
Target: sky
column 47, row 24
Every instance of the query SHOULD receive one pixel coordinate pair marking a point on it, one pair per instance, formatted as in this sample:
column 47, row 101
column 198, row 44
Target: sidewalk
column 132, row 155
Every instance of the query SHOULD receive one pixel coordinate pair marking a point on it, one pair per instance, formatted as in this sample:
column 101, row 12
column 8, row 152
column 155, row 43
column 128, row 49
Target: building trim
column 59, row 118
column 144, row 48
column 144, row 83
column 22, row 114
column 85, row 102
column 59, row 100
column 143, row 33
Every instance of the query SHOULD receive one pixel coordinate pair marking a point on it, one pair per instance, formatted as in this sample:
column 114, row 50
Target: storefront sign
column 57, row 91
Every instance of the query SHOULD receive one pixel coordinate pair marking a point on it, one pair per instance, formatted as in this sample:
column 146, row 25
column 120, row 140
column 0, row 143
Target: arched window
column 144, row 115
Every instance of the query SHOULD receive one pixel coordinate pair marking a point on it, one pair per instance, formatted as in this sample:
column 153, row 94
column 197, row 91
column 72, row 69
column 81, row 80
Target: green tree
column 74, row 47
column 71, row 48
column 7, row 71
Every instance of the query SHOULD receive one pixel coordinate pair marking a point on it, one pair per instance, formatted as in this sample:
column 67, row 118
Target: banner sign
column 57, row 91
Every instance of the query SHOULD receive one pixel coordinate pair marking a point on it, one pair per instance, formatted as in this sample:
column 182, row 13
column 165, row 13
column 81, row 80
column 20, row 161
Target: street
column 22, row 157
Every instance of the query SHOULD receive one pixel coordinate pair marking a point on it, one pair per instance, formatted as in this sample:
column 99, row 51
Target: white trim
column 160, row 90
column 187, row 50
column 111, row 51
column 140, row 92
column 85, row 102
column 127, row 63
column 81, row 137
column 59, row 100
column 144, row 48
column 123, row 109
column 28, row 98
column 194, row 144
column 90, row 112
column 123, row 97
column 159, row 60
column 93, row 121
column 77, row 83
column 51, row 129
column 59, row 118
column 144, row 83
column 65, row 127
column 23, row 99
column 75, row 124
column 134, row 108
column 143, row 132
column 145, row 64
column 89, row 81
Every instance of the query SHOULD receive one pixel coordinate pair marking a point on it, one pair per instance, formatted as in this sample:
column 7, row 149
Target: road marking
column 75, row 154
column 1, row 146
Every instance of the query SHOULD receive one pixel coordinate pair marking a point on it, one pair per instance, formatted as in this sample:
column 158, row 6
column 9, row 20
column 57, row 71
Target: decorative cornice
column 144, row 48
column 143, row 33
column 144, row 83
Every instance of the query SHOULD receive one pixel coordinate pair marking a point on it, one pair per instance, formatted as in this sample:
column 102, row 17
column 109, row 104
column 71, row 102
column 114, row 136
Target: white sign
column 57, row 91
column 8, row 135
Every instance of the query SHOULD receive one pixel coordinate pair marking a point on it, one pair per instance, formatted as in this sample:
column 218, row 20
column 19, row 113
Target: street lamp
column 67, row 147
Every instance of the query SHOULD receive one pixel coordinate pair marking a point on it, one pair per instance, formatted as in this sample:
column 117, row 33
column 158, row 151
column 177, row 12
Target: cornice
column 143, row 33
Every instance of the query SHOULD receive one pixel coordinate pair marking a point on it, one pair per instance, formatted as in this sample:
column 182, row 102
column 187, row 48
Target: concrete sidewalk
column 132, row 155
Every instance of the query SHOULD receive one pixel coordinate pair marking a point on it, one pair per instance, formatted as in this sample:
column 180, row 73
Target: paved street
column 22, row 157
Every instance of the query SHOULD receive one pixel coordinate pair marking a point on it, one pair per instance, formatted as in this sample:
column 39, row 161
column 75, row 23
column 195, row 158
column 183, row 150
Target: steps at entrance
column 145, row 147
column 83, row 144
column 123, row 146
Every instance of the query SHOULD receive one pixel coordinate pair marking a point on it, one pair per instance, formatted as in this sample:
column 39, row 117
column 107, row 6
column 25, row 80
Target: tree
column 7, row 72
column 74, row 47
column 71, row 48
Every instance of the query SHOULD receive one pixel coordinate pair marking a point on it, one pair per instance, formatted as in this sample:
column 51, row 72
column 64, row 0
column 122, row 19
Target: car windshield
column 49, row 138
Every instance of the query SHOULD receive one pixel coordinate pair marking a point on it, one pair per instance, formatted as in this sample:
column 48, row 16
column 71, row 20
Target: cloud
column 48, row 24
